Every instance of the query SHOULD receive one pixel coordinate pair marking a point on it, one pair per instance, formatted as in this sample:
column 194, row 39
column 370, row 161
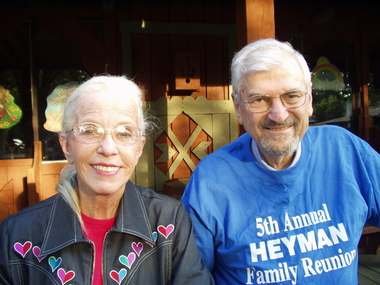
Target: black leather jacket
column 150, row 243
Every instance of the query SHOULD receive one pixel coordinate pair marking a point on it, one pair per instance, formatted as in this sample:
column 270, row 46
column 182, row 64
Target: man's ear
column 310, row 101
column 237, row 106
column 65, row 147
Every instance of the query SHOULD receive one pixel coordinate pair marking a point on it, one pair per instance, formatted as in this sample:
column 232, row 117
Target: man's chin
column 280, row 145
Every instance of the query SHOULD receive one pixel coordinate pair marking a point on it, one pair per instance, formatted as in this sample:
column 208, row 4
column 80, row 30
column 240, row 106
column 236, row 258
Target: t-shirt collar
column 260, row 159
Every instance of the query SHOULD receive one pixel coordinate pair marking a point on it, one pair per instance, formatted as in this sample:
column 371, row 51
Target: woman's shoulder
column 32, row 218
column 161, row 208
column 150, row 194
column 30, row 211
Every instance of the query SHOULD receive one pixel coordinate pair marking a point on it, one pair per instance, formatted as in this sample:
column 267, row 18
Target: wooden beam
column 33, row 83
column 362, row 118
column 34, row 175
column 254, row 20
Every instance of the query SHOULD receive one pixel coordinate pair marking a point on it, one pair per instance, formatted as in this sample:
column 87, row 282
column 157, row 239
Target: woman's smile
column 105, row 168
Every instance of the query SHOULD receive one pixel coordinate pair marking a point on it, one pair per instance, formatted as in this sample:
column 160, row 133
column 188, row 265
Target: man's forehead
column 268, row 81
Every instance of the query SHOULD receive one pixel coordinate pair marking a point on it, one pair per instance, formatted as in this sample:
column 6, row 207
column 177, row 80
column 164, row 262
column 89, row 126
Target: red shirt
column 95, row 232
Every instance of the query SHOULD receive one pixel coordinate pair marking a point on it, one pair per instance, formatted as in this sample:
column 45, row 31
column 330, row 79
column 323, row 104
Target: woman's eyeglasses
column 93, row 133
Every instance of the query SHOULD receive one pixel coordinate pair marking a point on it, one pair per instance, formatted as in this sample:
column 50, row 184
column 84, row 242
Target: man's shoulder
column 335, row 138
column 327, row 128
column 330, row 131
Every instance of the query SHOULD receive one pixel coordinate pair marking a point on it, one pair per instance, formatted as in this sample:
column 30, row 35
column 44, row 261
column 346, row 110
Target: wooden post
column 363, row 120
column 254, row 20
column 34, row 175
column 33, row 84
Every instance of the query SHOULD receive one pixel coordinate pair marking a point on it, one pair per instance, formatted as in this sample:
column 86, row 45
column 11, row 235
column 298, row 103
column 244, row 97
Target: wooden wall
column 171, row 11
column 24, row 182
column 153, row 64
column 13, row 194
column 205, row 27
column 107, row 36
column 148, row 52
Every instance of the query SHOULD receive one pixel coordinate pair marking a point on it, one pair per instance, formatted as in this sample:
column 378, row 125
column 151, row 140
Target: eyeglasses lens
column 262, row 103
column 91, row 133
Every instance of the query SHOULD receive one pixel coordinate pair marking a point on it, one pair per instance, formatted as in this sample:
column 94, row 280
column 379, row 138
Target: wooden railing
column 42, row 176
column 13, row 196
column 24, row 182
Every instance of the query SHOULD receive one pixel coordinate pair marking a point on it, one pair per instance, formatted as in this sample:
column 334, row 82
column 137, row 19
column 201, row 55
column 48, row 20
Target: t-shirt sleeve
column 195, row 203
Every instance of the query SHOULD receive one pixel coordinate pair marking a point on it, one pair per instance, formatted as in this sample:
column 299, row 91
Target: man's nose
column 277, row 111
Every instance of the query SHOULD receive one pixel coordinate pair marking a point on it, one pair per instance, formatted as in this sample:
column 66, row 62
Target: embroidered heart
column 22, row 249
column 166, row 231
column 154, row 235
column 127, row 261
column 36, row 252
column 54, row 262
column 65, row 276
column 137, row 247
column 118, row 276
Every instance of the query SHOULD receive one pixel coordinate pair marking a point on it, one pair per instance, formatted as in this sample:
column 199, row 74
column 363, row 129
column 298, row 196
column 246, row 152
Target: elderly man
column 285, row 203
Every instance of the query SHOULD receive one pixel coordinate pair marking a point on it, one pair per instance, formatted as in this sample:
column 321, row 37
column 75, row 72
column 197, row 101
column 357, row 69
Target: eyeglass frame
column 275, row 96
column 105, row 132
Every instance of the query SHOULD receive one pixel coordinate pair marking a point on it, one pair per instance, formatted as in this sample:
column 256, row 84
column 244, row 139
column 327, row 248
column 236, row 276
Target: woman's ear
column 65, row 147
column 141, row 147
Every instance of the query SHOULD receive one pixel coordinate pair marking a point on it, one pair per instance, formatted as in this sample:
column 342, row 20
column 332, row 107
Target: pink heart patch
column 65, row 276
column 36, row 251
column 118, row 276
column 128, row 261
column 22, row 249
column 137, row 247
column 166, row 231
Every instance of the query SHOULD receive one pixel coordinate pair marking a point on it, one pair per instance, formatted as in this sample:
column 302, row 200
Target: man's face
column 277, row 131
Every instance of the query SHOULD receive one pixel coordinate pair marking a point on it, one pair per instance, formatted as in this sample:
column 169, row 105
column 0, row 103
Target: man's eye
column 292, row 96
column 258, row 99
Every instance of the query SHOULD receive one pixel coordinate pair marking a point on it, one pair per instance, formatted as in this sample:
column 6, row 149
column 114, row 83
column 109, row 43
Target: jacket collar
column 64, row 227
column 132, row 215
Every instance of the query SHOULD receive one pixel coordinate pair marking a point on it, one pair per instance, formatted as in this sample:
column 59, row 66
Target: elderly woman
column 101, row 228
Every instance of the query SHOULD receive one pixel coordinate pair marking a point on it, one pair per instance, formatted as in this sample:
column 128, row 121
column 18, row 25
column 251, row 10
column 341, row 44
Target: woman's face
column 103, row 168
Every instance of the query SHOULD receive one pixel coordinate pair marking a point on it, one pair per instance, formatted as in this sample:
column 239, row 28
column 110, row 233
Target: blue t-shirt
column 299, row 225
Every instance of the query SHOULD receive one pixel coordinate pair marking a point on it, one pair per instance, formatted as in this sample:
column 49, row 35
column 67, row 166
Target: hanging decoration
column 326, row 76
column 56, row 103
column 10, row 113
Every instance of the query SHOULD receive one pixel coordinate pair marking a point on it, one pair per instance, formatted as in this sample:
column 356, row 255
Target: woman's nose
column 108, row 145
